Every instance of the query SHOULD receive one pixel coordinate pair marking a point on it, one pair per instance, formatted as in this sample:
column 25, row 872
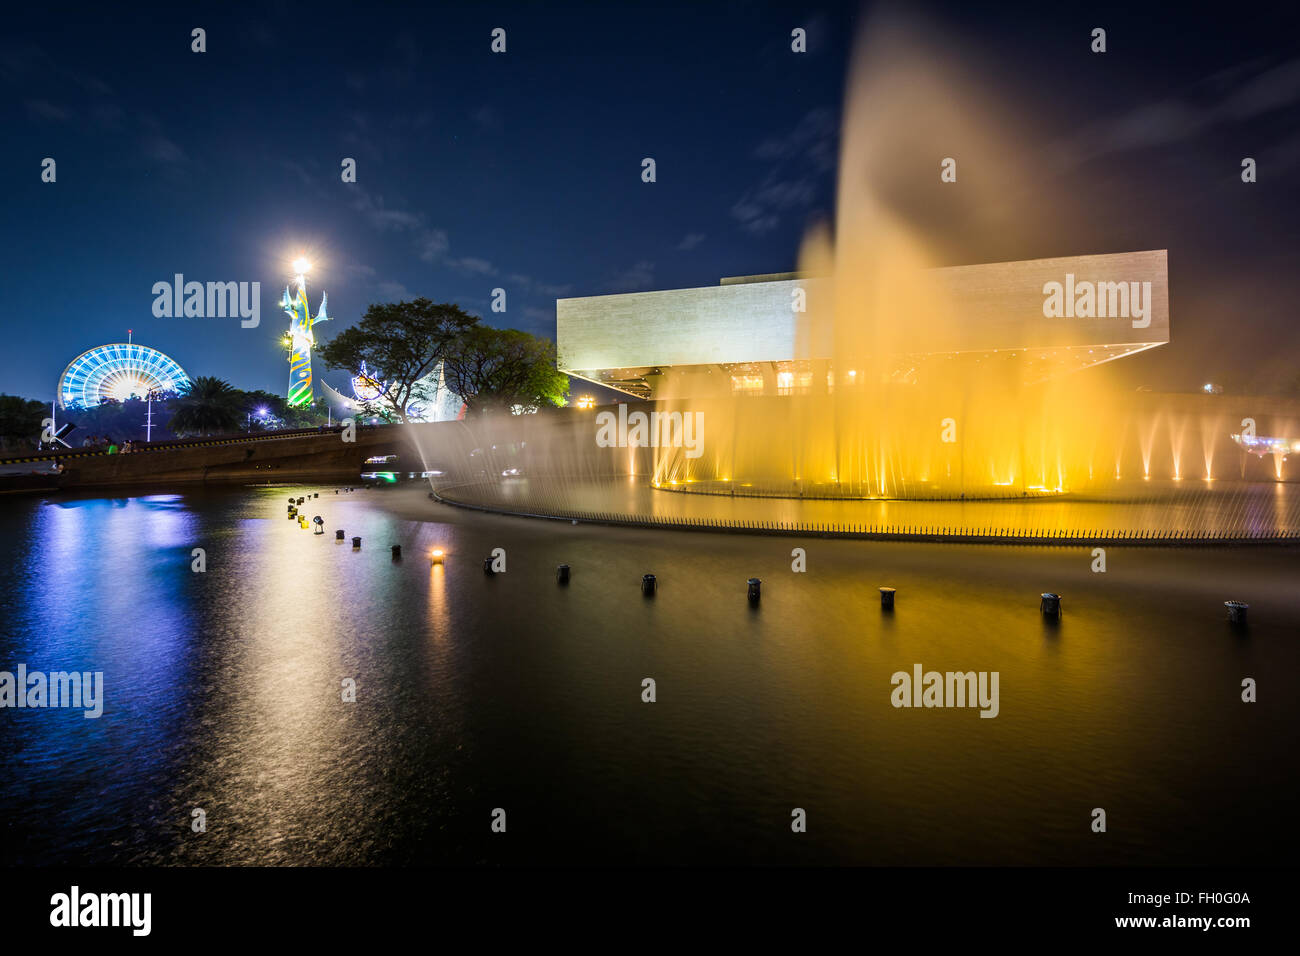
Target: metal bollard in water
column 1050, row 604
column 887, row 599
column 755, row 590
column 562, row 574
column 1236, row 611
column 649, row 584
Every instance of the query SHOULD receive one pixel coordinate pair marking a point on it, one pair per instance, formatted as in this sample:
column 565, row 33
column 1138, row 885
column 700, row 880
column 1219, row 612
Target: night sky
column 523, row 170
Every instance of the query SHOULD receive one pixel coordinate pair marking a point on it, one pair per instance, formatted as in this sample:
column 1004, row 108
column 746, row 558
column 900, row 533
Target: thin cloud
column 380, row 216
column 394, row 290
column 488, row 120
column 473, row 265
column 800, row 162
column 638, row 277
column 433, row 245
column 44, row 109
column 162, row 150
column 1230, row 96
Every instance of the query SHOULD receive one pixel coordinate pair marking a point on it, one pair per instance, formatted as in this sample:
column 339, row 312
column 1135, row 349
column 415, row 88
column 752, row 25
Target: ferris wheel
column 118, row 371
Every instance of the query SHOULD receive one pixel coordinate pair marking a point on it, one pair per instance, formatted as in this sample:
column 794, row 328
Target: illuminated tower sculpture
column 300, row 339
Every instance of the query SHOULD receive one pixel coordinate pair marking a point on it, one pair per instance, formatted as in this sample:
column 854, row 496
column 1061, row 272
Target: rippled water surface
column 476, row 692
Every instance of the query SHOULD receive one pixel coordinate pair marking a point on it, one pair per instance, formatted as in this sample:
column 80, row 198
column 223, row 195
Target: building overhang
column 1048, row 316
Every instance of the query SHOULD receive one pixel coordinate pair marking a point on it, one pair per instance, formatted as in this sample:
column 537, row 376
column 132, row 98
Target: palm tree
column 207, row 405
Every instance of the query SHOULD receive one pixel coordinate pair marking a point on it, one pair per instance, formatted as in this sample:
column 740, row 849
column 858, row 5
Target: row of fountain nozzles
column 1049, row 602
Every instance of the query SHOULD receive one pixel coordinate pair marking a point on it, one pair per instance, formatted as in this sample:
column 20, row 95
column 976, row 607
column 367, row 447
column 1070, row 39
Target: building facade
column 774, row 334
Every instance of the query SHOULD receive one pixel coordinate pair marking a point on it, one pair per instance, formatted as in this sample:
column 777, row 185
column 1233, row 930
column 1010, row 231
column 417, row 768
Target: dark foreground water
column 477, row 692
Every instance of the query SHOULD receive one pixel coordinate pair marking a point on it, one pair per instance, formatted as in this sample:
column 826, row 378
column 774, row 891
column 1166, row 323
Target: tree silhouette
column 209, row 405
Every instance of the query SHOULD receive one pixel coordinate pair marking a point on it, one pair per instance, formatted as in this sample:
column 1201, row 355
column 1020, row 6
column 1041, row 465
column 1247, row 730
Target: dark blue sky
column 522, row 170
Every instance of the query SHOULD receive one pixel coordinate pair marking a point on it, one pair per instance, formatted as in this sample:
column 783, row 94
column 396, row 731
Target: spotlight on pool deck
column 887, row 599
column 397, row 552
column 1236, row 611
column 356, row 544
column 649, row 584
column 338, row 535
column 562, row 574
column 755, row 590
column 319, row 522
column 1050, row 604
column 436, row 555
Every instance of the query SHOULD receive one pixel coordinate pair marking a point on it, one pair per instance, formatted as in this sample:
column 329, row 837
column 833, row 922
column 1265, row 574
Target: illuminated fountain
column 911, row 378
column 911, row 393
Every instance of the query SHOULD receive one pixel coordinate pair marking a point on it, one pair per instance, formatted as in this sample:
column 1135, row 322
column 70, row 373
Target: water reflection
column 225, row 691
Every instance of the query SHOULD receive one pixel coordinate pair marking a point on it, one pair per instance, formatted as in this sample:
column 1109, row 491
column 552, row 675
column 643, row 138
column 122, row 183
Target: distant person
column 90, row 441
column 112, row 447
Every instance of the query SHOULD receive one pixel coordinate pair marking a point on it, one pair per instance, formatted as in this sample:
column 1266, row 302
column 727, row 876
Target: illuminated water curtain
column 301, row 339
column 117, row 372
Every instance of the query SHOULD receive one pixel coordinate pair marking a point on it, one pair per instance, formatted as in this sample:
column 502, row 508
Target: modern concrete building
column 749, row 334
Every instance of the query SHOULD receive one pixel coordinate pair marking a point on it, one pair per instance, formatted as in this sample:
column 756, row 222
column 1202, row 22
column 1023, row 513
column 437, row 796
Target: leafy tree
column 495, row 369
column 120, row 420
column 21, row 422
column 400, row 343
column 261, row 410
column 266, row 411
column 208, row 405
